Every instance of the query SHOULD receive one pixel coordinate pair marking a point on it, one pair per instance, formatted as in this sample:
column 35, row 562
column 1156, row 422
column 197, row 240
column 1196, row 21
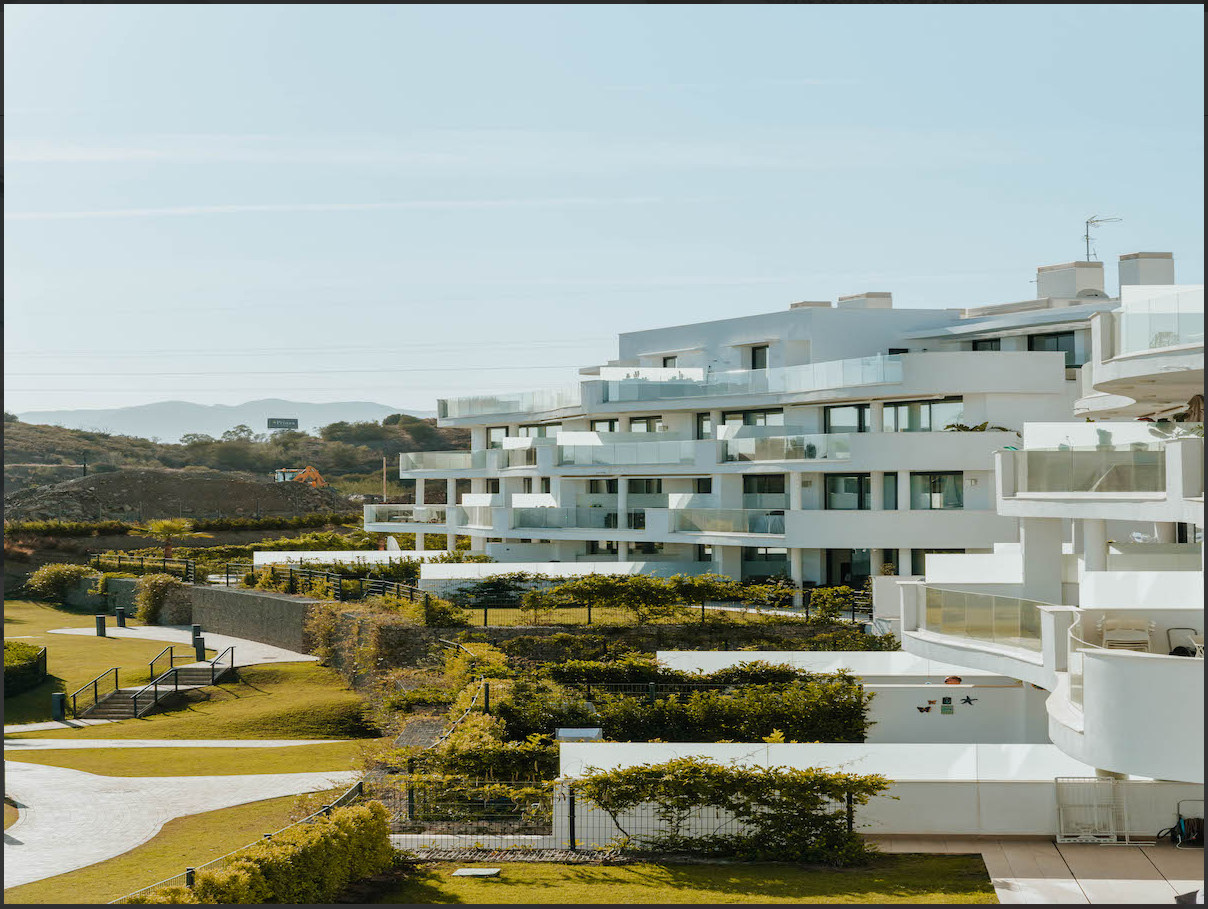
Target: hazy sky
column 396, row 203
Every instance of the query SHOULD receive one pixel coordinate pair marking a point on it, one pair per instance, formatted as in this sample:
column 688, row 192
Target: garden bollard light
column 58, row 706
column 196, row 631
column 189, row 877
column 199, row 648
column 100, row 626
column 120, row 612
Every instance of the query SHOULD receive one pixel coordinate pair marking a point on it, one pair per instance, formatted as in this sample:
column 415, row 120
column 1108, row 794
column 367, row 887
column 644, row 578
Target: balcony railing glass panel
column 412, row 514
column 1167, row 321
column 625, row 453
column 789, row 447
column 478, row 516
column 876, row 370
column 518, row 457
column 1108, row 470
column 576, row 518
column 443, row 460
column 1005, row 621
column 535, row 401
column 727, row 520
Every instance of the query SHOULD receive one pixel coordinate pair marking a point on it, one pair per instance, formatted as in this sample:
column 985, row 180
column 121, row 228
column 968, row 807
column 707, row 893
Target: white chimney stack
column 1147, row 268
column 873, row 299
column 1072, row 279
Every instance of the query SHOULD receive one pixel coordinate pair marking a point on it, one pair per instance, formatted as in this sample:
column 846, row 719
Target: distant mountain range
column 169, row 420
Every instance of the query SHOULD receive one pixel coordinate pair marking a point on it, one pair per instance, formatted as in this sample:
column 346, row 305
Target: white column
column 794, row 481
column 876, row 416
column 797, row 573
column 1040, row 547
column 1094, row 544
column 903, row 490
column 450, row 506
column 875, row 561
column 1164, row 531
column 419, row 491
column 903, row 557
column 714, row 420
column 876, row 481
column 623, row 516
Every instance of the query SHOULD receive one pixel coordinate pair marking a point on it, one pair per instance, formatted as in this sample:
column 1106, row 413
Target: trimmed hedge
column 119, row 528
column 306, row 863
column 22, row 668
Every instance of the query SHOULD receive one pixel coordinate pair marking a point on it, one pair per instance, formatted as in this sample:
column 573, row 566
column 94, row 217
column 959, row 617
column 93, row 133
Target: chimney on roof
column 873, row 299
column 1072, row 279
column 811, row 304
column 1147, row 268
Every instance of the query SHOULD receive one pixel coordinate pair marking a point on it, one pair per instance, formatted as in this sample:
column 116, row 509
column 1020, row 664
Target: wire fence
column 468, row 808
column 186, row 878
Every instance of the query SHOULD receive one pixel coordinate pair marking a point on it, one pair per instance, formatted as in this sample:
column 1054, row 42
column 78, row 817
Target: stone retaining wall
column 256, row 615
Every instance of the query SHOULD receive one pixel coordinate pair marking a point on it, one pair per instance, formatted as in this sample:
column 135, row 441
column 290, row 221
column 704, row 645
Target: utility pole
column 84, row 464
column 383, row 474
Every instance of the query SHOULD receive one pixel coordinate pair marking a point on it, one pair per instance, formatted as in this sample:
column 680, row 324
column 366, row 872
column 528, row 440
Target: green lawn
column 198, row 761
column 71, row 660
column 274, row 701
column 10, row 814
column 890, row 879
column 183, row 842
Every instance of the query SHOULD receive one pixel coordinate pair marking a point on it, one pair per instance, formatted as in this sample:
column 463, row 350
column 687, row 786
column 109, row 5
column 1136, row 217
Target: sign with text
column 282, row 423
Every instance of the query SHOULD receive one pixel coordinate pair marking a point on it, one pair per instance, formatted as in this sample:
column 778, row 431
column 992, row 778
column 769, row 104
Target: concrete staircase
column 120, row 704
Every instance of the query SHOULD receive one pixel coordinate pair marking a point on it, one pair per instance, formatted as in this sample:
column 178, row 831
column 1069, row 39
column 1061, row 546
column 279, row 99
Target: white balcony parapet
column 727, row 520
column 789, row 447
column 520, row 402
column 876, row 370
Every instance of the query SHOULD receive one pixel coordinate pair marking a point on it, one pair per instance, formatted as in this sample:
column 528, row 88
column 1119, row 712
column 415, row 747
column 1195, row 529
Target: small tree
column 829, row 603
column 699, row 589
column 168, row 531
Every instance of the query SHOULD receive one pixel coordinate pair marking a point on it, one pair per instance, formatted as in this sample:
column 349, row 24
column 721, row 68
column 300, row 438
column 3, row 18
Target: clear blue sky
column 220, row 203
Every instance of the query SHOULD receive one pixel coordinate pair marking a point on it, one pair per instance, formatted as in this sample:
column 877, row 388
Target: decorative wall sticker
column 946, row 709
column 931, row 702
column 947, row 700
column 924, row 710
column 968, row 700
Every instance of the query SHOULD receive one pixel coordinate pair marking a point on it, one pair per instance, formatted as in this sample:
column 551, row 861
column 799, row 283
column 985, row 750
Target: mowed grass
column 181, row 843
column 10, row 814
column 72, row 660
column 199, row 761
column 897, row 878
column 274, row 701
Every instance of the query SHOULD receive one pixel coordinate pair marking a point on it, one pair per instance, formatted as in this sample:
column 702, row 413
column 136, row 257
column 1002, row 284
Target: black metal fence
column 341, row 587
column 185, row 569
column 466, row 807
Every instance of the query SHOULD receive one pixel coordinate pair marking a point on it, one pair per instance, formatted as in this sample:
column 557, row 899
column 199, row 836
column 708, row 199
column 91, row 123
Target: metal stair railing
column 171, row 660
column 154, row 687
column 95, row 687
column 217, row 670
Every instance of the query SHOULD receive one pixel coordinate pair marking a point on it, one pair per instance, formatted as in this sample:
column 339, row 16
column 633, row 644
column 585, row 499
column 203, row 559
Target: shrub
column 781, row 813
column 481, row 660
column 306, row 863
column 22, row 668
column 101, row 587
column 827, row 604
column 560, row 647
column 642, row 668
column 152, row 592
column 52, row 582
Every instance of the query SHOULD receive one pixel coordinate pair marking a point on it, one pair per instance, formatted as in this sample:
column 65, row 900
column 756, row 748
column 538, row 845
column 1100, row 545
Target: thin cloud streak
column 292, row 207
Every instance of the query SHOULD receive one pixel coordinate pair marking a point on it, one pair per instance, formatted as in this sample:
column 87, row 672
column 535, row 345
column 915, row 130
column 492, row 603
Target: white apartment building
column 808, row 442
column 1100, row 603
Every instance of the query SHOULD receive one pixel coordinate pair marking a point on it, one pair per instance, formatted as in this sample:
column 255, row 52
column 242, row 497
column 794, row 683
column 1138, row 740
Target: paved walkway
column 54, row 744
column 247, row 653
column 51, row 724
column 71, row 819
column 1036, row 870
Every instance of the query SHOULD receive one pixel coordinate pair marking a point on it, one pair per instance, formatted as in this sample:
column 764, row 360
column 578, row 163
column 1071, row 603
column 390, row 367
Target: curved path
column 71, row 819
column 57, row 744
column 247, row 653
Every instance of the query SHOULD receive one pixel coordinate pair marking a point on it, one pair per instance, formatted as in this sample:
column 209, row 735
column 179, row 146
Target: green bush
column 67, row 528
column 22, row 668
column 635, row 669
column 150, row 594
column 782, row 813
column 120, row 528
column 560, row 647
column 101, row 586
column 306, row 863
column 52, row 582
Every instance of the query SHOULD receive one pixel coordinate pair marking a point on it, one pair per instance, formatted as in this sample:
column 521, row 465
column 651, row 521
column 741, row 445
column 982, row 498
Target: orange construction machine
column 307, row 475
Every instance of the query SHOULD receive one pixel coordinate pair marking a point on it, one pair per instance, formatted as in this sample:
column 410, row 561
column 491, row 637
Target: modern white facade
column 1107, row 577
column 807, row 442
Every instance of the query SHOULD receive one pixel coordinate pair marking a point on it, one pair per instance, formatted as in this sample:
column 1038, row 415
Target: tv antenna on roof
column 1087, row 236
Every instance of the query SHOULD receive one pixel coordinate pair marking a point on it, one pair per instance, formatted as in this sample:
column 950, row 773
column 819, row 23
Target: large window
column 937, row 490
column 601, row 487
column 918, row 559
column 1062, row 340
column 647, row 424
column 596, row 547
column 988, row 344
column 704, row 553
column 646, row 548
column 753, row 418
column 646, row 487
column 603, row 425
column 764, row 554
column 923, row 416
column 493, row 486
column 704, row 426
column 847, row 418
column 759, row 357
column 704, row 485
column 545, row 485
column 763, row 484
column 540, row 430
column 496, row 435
column 670, row 362
column 889, row 494
column 848, row 492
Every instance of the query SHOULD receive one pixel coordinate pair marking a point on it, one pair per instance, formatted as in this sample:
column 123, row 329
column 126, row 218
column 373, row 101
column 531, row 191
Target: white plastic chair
column 1126, row 634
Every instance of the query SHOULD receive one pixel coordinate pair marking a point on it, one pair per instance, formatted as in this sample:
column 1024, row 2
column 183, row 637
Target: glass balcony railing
column 577, row 518
column 876, row 370
column 1167, row 321
column 412, row 514
column 478, row 516
column 1005, row 621
column 443, row 460
column 535, row 401
column 795, row 447
column 518, row 457
column 1137, row 469
column 624, row 453
column 652, row 373
column 727, row 520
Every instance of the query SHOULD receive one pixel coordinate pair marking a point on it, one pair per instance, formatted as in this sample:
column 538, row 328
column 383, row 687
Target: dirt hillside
column 145, row 493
